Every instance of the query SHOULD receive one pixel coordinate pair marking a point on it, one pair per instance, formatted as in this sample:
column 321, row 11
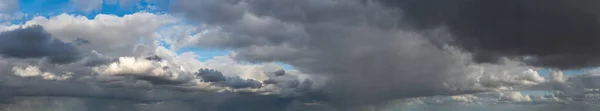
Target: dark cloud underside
column 552, row 33
column 35, row 42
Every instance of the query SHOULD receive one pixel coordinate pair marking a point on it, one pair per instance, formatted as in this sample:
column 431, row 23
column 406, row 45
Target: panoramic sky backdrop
column 299, row 55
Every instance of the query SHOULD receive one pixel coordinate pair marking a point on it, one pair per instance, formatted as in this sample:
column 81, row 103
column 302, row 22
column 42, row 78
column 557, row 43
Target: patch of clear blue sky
column 54, row 7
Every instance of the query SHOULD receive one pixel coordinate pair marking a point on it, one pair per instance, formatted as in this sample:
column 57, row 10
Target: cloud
column 515, row 29
column 209, row 75
column 32, row 71
column 349, row 54
column 503, row 79
column 8, row 5
column 279, row 73
column 125, row 3
column 35, row 42
column 87, row 6
column 465, row 98
column 580, row 87
column 114, row 65
column 558, row 76
column 155, row 72
column 366, row 50
column 216, row 77
column 110, row 35
column 515, row 96
column 177, row 72
column 9, row 10
column 128, row 87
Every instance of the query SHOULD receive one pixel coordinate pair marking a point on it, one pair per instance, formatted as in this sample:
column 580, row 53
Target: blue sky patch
column 48, row 8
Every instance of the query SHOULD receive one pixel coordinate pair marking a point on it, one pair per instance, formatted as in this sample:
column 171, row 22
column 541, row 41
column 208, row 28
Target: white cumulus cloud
column 33, row 71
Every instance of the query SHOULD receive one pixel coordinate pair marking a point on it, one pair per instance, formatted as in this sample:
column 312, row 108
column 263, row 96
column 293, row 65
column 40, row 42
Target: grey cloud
column 35, row 42
column 580, row 87
column 81, row 41
column 216, row 77
column 160, row 80
column 210, row 75
column 156, row 80
column 94, row 60
column 87, row 84
column 270, row 81
column 548, row 33
column 361, row 46
column 7, row 6
column 135, row 88
column 127, row 97
column 237, row 82
column 75, row 69
column 154, row 58
column 87, row 6
column 279, row 73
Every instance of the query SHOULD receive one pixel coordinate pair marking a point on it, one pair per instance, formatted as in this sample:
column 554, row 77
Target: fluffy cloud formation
column 33, row 71
column 503, row 79
column 110, row 35
column 217, row 78
column 141, row 80
column 144, row 69
column 106, row 71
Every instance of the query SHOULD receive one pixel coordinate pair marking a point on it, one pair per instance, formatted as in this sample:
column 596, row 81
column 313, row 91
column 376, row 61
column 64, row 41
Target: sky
column 299, row 55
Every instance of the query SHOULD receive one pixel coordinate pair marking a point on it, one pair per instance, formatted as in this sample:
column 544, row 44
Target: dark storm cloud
column 210, row 75
column 81, row 41
column 154, row 58
column 35, row 42
column 270, row 81
column 237, row 82
column 279, row 73
column 553, row 33
column 154, row 80
column 357, row 44
column 217, row 78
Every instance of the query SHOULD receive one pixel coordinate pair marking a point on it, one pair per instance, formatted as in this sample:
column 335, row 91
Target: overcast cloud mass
column 299, row 55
